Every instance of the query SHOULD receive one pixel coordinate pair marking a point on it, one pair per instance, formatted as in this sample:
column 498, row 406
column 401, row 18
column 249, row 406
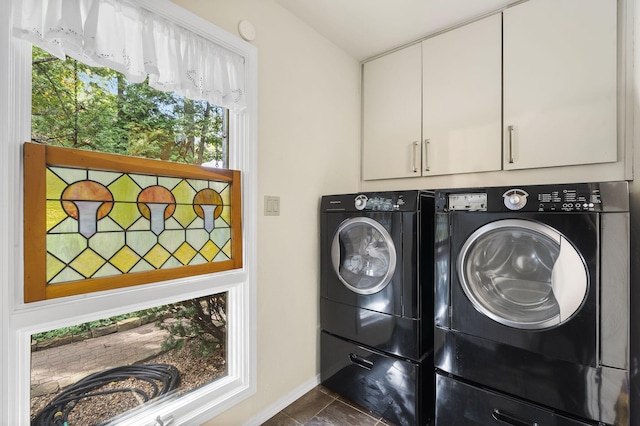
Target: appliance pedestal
column 400, row 390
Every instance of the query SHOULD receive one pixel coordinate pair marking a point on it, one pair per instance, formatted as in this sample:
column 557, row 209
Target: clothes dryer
column 532, row 294
column 376, row 302
column 376, row 278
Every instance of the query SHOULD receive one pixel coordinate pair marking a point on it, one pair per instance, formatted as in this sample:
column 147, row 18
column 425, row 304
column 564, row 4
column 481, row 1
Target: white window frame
column 19, row 320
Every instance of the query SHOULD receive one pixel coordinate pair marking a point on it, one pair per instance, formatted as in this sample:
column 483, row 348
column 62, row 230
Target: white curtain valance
column 135, row 42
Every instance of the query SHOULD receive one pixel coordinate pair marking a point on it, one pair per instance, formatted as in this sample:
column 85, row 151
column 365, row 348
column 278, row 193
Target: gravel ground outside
column 194, row 372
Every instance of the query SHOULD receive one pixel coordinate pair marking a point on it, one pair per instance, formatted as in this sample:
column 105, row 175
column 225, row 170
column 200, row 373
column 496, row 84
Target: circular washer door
column 363, row 255
column 523, row 274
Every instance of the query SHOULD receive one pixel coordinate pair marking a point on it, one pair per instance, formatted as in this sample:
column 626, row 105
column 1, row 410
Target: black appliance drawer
column 458, row 403
column 400, row 390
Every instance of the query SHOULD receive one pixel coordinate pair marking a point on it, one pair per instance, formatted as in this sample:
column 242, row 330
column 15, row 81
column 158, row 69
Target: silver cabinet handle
column 425, row 153
column 415, row 157
column 510, row 130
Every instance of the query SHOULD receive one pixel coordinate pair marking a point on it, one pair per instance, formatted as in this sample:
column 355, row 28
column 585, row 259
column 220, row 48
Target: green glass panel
column 226, row 196
column 168, row 182
column 124, row 189
column 54, row 266
column 227, row 249
column 172, row 263
column 67, row 226
column 107, row 270
column 141, row 241
column 171, row 239
column 142, row 266
column 197, row 237
column 197, row 223
column 66, row 275
column 56, row 215
column 198, row 184
column 66, row 246
column 184, row 193
column 55, row 186
column 223, row 220
column 105, row 178
column 106, row 224
column 184, row 214
column 198, row 260
column 142, row 224
column 125, row 214
column 107, row 244
column 69, row 175
column 221, row 257
column 223, row 189
column 220, row 236
column 171, row 223
column 144, row 181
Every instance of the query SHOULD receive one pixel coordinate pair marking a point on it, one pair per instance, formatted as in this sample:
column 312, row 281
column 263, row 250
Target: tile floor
column 322, row 407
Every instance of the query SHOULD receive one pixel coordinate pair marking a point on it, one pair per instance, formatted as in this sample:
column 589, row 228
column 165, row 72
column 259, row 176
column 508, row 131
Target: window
column 19, row 320
column 78, row 106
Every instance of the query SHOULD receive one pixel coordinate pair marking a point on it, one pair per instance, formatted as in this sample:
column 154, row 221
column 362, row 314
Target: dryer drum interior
column 523, row 274
column 363, row 255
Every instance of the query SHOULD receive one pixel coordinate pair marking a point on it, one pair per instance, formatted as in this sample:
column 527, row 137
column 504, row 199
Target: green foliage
column 78, row 106
column 203, row 319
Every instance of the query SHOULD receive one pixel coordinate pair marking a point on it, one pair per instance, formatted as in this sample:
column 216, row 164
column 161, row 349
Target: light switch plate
column 271, row 205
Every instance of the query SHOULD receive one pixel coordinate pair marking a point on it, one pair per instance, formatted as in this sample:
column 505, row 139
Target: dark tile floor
column 322, row 407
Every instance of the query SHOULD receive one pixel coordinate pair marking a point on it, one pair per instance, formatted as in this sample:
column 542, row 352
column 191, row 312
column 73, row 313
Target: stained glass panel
column 134, row 216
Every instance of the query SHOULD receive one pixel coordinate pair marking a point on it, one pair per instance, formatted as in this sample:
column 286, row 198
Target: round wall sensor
column 246, row 30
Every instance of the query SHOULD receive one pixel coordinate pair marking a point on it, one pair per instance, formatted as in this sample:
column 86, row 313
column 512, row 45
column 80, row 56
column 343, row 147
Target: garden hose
column 56, row 413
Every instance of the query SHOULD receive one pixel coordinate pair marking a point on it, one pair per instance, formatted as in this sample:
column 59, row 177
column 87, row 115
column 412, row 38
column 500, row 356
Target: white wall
column 308, row 133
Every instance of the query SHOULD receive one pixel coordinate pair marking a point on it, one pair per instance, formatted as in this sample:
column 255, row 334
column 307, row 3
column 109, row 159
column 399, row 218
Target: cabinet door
column 462, row 89
column 392, row 99
column 559, row 83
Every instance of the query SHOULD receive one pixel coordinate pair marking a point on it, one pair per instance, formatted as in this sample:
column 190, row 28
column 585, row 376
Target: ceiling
column 365, row 28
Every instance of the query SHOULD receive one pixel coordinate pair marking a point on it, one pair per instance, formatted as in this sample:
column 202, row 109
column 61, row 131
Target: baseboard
column 283, row 402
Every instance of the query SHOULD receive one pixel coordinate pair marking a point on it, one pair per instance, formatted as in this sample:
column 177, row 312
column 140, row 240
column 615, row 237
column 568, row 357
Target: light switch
column 271, row 205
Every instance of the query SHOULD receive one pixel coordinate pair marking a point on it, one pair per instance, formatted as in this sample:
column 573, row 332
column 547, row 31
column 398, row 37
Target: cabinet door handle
column 425, row 150
column 361, row 362
column 510, row 130
column 415, row 156
column 510, row 419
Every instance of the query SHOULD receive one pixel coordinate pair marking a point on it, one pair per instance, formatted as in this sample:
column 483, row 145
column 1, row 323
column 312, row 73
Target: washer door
column 523, row 274
column 363, row 255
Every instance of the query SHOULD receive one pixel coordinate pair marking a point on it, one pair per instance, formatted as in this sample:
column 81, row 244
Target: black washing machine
column 532, row 303
column 376, row 301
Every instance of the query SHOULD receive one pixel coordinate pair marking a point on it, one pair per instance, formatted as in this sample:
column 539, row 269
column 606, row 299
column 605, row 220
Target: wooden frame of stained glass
column 96, row 221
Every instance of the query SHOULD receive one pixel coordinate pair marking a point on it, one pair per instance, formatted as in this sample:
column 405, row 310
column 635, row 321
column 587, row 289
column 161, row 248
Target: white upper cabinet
column 559, row 83
column 392, row 105
column 462, row 82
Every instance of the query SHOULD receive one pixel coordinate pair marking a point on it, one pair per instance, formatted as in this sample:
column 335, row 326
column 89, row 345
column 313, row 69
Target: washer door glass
column 523, row 274
column 363, row 255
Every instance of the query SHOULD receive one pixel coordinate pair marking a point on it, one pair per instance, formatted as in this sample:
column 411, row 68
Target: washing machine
column 532, row 286
column 376, row 301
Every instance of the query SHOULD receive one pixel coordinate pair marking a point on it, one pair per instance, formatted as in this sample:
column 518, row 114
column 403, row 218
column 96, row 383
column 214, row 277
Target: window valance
column 129, row 39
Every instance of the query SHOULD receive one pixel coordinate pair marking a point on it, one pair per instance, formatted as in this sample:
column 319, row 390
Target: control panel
column 568, row 199
column 534, row 198
column 392, row 201
column 378, row 203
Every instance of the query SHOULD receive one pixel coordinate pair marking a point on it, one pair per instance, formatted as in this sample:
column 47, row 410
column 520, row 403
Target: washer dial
column 361, row 202
column 515, row 199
